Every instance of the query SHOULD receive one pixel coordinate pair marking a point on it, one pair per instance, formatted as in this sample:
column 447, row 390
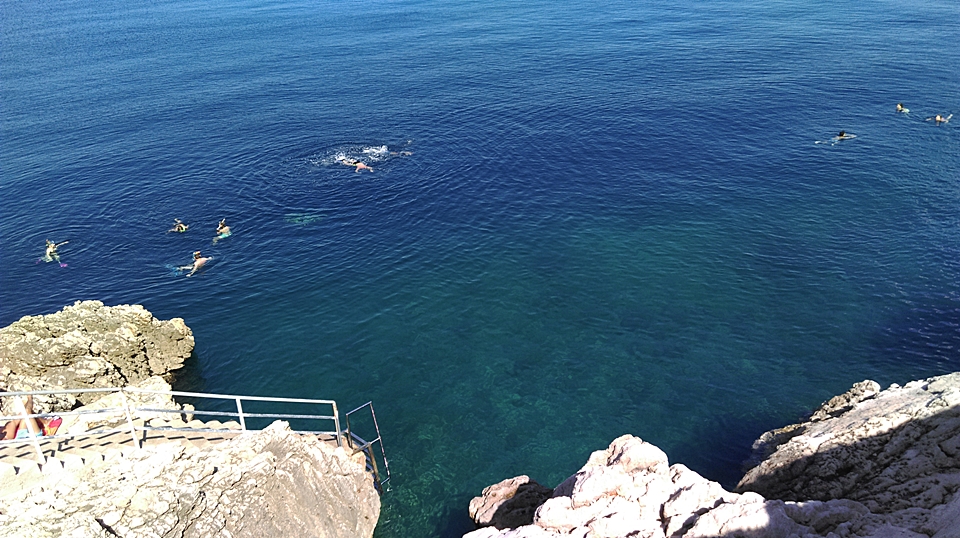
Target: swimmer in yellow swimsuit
column 178, row 226
column 51, row 254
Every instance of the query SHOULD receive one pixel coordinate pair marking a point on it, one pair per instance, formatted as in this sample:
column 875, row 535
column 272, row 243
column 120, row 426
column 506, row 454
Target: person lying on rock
column 23, row 428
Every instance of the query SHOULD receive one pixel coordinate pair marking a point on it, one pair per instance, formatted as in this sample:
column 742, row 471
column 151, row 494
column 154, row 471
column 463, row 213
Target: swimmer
column 842, row 136
column 901, row 108
column 51, row 254
column 198, row 262
column 353, row 162
column 940, row 119
column 178, row 226
column 223, row 231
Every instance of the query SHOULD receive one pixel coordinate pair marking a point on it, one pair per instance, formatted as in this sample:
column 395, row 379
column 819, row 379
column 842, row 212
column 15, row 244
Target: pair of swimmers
column 939, row 118
column 222, row 229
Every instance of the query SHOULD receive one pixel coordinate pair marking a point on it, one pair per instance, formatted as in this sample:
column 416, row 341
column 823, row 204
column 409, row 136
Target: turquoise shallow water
column 614, row 218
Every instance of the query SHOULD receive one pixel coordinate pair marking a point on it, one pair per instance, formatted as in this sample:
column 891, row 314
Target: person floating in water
column 223, row 231
column 198, row 262
column 842, row 136
column 940, row 119
column 901, row 108
column 52, row 254
column 360, row 165
column 178, row 226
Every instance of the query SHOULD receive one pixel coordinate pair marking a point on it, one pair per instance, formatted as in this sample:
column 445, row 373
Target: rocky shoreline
column 272, row 482
column 868, row 463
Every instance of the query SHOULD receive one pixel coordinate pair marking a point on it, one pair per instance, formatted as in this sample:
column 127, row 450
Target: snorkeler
column 178, row 226
column 51, row 254
column 940, row 119
column 360, row 165
column 198, row 262
column 223, row 231
column 842, row 136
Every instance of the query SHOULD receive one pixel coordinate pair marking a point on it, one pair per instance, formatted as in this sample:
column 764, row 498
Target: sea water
column 610, row 217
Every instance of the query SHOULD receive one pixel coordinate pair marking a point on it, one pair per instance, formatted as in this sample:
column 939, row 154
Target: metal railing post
column 386, row 465
column 336, row 424
column 243, row 424
column 126, row 410
column 33, row 438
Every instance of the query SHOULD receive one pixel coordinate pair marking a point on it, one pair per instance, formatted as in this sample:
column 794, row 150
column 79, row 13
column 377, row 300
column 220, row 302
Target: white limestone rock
column 896, row 452
column 869, row 464
column 268, row 483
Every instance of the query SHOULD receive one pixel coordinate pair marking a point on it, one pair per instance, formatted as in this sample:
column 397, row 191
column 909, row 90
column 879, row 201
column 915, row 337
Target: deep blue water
column 614, row 217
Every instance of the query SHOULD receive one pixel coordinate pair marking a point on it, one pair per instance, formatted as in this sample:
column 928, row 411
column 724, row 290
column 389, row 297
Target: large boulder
column 89, row 345
column 272, row 482
column 509, row 503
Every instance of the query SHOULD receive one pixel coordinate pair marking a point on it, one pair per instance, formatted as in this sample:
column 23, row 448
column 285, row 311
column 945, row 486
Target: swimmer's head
column 196, row 255
column 843, row 133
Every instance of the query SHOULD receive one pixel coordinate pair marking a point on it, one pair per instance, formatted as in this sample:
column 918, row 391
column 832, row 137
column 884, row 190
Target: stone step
column 20, row 464
column 7, row 472
column 84, row 455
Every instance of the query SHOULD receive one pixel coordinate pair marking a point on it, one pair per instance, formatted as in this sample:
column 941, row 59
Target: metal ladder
column 358, row 444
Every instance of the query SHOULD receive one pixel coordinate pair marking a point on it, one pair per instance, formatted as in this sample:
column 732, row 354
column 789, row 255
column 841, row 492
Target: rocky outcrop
column 867, row 464
column 896, row 451
column 508, row 504
column 268, row 483
column 89, row 345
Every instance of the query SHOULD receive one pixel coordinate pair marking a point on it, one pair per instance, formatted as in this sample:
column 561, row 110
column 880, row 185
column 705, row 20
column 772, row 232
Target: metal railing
column 124, row 418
